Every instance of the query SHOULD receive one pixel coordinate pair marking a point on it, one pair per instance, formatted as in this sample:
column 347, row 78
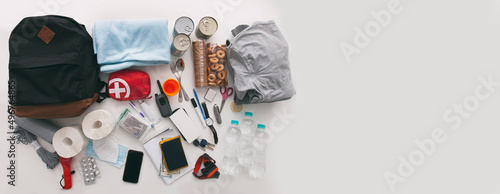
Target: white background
column 350, row 123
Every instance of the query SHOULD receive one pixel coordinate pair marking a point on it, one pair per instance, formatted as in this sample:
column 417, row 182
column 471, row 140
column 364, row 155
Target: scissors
column 226, row 92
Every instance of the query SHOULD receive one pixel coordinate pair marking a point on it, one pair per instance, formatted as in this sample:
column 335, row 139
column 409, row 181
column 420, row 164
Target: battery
column 183, row 25
column 180, row 44
column 206, row 27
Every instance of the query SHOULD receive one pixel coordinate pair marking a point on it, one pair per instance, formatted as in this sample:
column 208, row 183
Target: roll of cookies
column 200, row 64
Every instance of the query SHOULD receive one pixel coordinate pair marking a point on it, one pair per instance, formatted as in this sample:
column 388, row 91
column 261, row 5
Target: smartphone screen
column 133, row 166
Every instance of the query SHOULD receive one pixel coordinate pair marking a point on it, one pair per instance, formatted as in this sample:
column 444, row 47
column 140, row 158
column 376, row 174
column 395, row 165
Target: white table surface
column 350, row 124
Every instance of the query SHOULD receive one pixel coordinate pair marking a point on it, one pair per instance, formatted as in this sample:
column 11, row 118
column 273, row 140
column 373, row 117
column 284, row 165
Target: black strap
column 210, row 170
column 212, row 128
column 102, row 95
column 205, row 109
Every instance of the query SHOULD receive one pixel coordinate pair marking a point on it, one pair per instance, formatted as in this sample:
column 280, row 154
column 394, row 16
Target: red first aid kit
column 129, row 84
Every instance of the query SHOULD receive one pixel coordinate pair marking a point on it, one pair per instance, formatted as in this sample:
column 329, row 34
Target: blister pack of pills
column 89, row 170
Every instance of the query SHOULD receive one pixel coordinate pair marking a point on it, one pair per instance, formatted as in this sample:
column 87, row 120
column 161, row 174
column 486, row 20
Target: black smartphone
column 133, row 166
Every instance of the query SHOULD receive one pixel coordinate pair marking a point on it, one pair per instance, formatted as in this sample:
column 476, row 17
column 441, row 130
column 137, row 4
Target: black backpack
column 52, row 67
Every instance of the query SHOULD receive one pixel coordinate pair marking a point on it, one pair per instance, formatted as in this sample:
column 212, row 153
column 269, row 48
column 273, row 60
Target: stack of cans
column 183, row 27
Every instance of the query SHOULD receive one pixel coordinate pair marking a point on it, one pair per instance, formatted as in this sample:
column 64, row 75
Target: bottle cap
column 235, row 122
column 171, row 87
column 249, row 114
column 261, row 126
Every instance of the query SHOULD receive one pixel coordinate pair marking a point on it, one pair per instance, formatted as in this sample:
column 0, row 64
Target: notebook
column 154, row 151
column 173, row 154
column 185, row 125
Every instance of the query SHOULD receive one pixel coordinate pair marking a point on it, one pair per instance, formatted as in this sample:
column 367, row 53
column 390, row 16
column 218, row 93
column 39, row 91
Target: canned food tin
column 206, row 27
column 180, row 44
column 183, row 25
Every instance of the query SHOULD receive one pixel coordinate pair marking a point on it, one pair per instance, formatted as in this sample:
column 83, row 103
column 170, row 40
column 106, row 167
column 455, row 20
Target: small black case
column 162, row 102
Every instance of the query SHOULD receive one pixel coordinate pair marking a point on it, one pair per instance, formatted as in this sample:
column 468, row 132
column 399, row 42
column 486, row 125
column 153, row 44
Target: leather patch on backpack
column 46, row 34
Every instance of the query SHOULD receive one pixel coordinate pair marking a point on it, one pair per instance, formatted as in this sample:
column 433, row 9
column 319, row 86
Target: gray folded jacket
column 258, row 61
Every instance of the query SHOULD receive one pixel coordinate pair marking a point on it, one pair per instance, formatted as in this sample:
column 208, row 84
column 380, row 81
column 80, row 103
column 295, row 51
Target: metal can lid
column 182, row 42
column 184, row 25
column 208, row 26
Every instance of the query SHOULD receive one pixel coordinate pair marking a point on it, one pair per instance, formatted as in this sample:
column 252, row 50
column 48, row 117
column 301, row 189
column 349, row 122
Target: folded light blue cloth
column 120, row 44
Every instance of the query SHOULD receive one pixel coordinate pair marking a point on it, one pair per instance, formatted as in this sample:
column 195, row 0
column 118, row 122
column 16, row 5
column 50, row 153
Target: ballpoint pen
column 139, row 111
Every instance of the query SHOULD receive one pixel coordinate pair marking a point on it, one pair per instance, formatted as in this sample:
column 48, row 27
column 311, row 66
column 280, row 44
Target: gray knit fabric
column 258, row 61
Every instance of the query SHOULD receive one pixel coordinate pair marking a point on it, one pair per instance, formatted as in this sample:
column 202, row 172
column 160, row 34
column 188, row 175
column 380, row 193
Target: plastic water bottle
column 246, row 152
column 260, row 139
column 233, row 133
column 248, row 125
column 258, row 168
column 230, row 162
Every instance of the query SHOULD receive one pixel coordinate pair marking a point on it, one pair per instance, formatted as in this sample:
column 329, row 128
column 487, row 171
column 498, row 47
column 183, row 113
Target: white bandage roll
column 98, row 124
column 68, row 141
